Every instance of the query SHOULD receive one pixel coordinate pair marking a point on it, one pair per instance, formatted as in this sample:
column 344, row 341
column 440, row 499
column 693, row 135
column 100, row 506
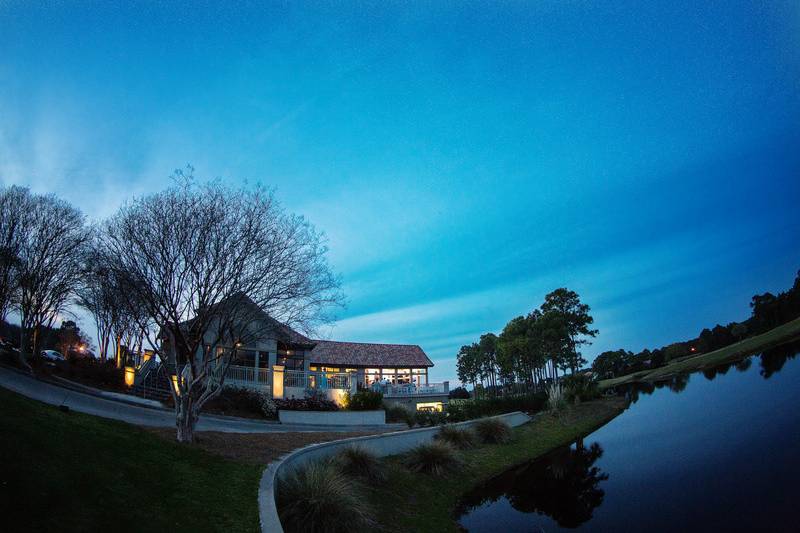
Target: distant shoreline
column 774, row 337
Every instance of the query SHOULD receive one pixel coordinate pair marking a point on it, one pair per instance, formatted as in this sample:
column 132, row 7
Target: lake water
column 713, row 451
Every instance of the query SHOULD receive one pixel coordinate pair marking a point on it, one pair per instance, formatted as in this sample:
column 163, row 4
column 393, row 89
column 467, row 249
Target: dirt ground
column 257, row 448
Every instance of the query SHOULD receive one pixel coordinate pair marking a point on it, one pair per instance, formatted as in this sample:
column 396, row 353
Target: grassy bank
column 418, row 502
column 74, row 472
column 758, row 343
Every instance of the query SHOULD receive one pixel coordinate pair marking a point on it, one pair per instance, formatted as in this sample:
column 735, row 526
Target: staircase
column 153, row 382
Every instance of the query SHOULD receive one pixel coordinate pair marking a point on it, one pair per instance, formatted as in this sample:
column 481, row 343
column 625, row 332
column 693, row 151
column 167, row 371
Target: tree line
column 531, row 349
column 179, row 271
column 767, row 312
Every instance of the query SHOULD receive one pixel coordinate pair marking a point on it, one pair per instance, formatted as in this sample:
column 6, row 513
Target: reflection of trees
column 744, row 365
column 633, row 390
column 772, row 360
column 563, row 485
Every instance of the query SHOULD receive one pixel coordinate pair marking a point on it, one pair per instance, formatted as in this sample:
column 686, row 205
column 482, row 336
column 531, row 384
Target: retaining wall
column 333, row 418
column 381, row 445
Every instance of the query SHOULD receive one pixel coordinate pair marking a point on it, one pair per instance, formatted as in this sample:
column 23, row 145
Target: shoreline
column 782, row 334
column 428, row 503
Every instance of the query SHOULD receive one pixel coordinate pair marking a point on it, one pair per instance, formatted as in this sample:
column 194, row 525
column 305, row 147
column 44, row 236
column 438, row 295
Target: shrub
column 457, row 437
column 398, row 413
column 89, row 371
column 316, row 403
column 580, row 387
column 460, row 410
column 268, row 407
column 436, row 458
column 492, row 431
column 555, row 397
column 238, row 401
column 429, row 418
column 364, row 400
column 319, row 497
column 360, row 462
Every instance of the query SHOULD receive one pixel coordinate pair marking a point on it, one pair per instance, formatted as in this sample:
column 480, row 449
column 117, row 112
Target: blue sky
column 462, row 158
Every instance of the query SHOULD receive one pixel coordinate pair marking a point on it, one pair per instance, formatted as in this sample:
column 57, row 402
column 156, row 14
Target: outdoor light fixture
column 130, row 375
column 175, row 384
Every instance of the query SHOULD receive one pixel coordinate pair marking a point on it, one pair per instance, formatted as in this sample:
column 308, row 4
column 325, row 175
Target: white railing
column 244, row 376
column 317, row 380
column 409, row 389
column 248, row 376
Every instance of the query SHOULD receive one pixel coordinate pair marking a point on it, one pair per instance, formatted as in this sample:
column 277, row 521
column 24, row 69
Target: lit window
column 430, row 406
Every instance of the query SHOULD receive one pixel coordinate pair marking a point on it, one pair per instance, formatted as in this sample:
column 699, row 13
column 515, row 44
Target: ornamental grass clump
column 398, row 413
column 320, row 498
column 435, row 458
column 492, row 431
column 460, row 438
column 555, row 397
column 361, row 463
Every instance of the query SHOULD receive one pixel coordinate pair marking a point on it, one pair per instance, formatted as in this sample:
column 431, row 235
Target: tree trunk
column 185, row 418
column 118, row 352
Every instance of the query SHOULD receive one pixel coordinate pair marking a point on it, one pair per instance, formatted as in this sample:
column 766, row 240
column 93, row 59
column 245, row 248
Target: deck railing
column 248, row 376
column 317, row 380
column 409, row 389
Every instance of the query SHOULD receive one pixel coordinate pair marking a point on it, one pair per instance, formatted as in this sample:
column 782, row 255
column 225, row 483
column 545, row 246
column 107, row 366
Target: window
column 403, row 376
column 371, row 375
column 245, row 358
column 430, row 406
column 291, row 359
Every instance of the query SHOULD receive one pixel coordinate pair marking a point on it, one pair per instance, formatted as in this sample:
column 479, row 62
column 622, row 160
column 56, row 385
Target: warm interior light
column 428, row 406
column 340, row 397
column 130, row 375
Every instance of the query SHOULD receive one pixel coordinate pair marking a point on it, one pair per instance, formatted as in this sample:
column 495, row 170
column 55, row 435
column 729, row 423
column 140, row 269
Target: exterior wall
column 412, row 401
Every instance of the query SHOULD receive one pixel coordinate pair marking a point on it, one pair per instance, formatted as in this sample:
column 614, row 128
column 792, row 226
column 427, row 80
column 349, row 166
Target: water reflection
column 772, row 360
column 680, row 459
column 564, row 485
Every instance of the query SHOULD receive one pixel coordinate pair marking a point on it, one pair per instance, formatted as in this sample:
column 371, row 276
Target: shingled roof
column 368, row 354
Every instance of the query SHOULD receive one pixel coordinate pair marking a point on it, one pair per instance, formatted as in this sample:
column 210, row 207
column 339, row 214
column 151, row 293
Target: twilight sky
column 464, row 159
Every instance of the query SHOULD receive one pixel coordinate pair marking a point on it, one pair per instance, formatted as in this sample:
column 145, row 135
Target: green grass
column 758, row 343
column 75, row 472
column 417, row 502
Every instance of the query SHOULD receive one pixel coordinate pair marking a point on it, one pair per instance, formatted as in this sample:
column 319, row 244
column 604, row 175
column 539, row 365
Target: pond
column 715, row 450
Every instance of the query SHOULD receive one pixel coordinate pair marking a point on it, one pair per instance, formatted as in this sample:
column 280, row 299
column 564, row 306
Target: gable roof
column 250, row 311
column 369, row 354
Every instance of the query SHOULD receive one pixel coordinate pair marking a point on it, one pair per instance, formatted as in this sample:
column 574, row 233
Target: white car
column 52, row 355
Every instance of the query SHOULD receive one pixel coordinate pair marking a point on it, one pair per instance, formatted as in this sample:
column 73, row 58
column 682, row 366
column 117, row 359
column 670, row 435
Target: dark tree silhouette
column 564, row 485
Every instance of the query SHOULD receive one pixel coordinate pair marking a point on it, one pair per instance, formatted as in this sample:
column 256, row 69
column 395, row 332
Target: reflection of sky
column 462, row 161
column 721, row 455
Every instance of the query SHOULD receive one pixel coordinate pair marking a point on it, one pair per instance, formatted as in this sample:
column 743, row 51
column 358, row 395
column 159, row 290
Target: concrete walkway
column 144, row 416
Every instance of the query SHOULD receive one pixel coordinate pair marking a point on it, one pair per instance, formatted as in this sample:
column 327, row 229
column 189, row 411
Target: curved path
column 145, row 416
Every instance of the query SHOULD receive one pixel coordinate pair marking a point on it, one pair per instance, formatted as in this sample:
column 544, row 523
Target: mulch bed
column 258, row 448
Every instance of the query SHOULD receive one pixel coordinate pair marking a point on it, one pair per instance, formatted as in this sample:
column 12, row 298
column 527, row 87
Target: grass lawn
column 418, row 502
column 774, row 337
column 75, row 472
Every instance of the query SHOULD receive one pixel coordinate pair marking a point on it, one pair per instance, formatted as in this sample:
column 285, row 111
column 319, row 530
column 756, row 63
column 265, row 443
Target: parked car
column 52, row 355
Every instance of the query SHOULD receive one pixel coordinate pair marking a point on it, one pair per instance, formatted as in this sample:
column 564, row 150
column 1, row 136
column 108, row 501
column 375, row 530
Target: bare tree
column 96, row 294
column 14, row 209
column 204, row 262
column 49, row 264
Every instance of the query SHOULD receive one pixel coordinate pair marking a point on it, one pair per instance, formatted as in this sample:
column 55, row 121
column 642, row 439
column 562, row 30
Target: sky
column 463, row 159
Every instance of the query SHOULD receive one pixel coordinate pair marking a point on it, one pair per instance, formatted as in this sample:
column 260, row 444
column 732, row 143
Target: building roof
column 369, row 354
